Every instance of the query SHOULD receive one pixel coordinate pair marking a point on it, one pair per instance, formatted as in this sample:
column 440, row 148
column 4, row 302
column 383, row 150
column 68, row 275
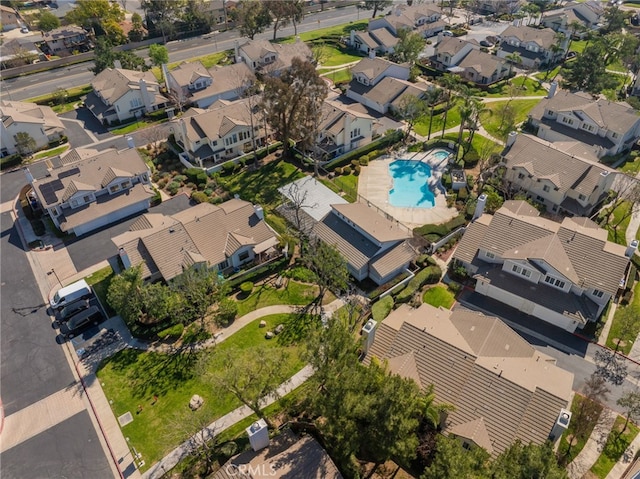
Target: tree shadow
column 298, row 326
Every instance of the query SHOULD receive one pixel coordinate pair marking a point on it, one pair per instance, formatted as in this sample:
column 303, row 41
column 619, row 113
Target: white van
column 70, row 294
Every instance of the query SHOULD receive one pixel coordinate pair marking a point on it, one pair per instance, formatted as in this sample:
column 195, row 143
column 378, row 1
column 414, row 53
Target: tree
column 588, row 71
column 125, row 294
column 450, row 83
column 60, row 95
column 452, row 461
column 136, row 34
column 610, row 366
column 195, row 18
column 297, row 201
column 158, row 54
column 630, row 401
column 297, row 14
column 376, row 6
column 614, row 20
column 202, row 440
column 526, row 461
column 329, row 267
column 199, row 288
column 290, row 101
column 410, row 45
column 251, row 381
column 131, row 61
column 282, row 12
column 513, row 59
column 100, row 15
column 162, row 16
column 103, row 56
column 252, row 17
column 47, row 21
column 25, row 144
column 411, row 109
column 432, row 98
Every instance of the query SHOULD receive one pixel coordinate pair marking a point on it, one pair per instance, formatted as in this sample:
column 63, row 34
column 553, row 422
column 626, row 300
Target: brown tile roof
column 113, row 83
column 617, row 117
column 474, row 430
column 226, row 78
column 24, row 112
column 372, row 68
column 392, row 259
column 367, row 39
column 387, row 38
column 482, row 367
column 545, row 37
column 390, row 89
column 187, row 73
column 376, row 225
column 219, row 120
column 451, row 45
column 482, row 62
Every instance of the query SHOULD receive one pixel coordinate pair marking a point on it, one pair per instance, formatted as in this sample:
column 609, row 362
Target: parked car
column 68, row 311
column 81, row 321
column 571, row 55
column 24, row 30
column 447, row 33
column 70, row 294
column 486, row 43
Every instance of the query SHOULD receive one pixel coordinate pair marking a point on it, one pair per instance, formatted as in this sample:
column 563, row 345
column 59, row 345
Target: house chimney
column 631, row 249
column 258, row 435
column 372, row 53
column 552, row 89
column 298, row 39
column 130, row 142
column 511, row 139
column 561, row 425
column 124, row 257
column 258, row 211
column 144, row 92
column 398, row 11
column 29, row 176
column 482, row 201
column 117, row 64
column 352, row 38
column 236, row 48
column 369, row 333
column 165, row 75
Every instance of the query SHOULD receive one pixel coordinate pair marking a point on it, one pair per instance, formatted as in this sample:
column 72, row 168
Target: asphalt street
column 42, row 83
column 33, row 366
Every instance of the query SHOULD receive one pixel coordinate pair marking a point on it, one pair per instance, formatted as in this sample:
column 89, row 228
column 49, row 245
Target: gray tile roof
column 385, row 37
column 227, row 78
column 314, row 197
column 372, row 68
column 482, row 367
column 392, row 259
column 187, row 73
column 482, row 62
column 113, row 83
column 367, row 219
column 451, row 45
column 545, row 37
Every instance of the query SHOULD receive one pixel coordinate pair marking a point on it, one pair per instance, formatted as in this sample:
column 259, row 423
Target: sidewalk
column 626, row 459
column 591, row 451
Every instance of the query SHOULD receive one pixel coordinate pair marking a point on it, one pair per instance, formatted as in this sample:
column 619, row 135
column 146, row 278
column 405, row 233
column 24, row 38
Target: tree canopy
column 100, row 15
column 376, row 6
column 252, row 17
column 48, row 21
column 410, row 45
column 158, row 54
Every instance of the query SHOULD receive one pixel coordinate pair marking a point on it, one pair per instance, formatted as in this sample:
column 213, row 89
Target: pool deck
column 374, row 185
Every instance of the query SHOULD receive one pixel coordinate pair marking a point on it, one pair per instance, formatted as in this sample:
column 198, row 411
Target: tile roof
column 545, row 37
column 285, row 52
column 392, row 259
column 63, row 32
column 314, row 197
column 372, row 68
column 389, row 89
column 25, row 112
column 367, row 39
column 540, row 159
column 113, row 83
column 452, row 45
column 385, row 37
column 187, row 73
column 218, row 120
column 482, row 62
column 226, row 78
column 617, row 117
column 482, row 367
column 376, row 225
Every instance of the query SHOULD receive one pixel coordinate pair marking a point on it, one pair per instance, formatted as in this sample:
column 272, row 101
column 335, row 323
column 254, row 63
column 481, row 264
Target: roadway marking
column 40, row 416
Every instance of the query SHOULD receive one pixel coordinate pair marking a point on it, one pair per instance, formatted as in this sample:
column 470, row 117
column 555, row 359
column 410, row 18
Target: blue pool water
column 410, row 186
column 441, row 154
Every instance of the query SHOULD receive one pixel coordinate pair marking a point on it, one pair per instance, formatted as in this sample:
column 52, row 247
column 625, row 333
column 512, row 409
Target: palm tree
column 575, row 27
column 450, row 83
column 432, row 97
column 478, row 108
column 513, row 59
column 430, row 411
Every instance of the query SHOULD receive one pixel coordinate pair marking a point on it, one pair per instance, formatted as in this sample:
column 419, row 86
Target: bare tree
column 630, row 401
column 610, row 366
column 202, row 439
column 297, row 201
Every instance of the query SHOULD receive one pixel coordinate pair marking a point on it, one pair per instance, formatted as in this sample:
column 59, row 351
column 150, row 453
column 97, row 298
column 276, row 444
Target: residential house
column 85, row 190
column 192, row 83
column 485, row 7
column 223, row 132
column 38, row 121
column 286, row 456
column 63, row 41
column 373, row 246
column 535, row 46
column 9, row 18
column 386, row 94
column 586, row 15
column 363, row 42
column 221, row 237
column 266, row 57
column 562, row 182
column 386, row 40
column 341, row 129
column 19, row 51
column 465, row 59
column 421, row 18
column 562, row 273
column 119, row 95
column 502, row 388
column 217, row 10
column 603, row 126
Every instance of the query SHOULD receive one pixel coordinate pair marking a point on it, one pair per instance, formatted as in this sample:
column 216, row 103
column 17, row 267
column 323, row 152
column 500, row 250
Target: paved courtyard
column 375, row 183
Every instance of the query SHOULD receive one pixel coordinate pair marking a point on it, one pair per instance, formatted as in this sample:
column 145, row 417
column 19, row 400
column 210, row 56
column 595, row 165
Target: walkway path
column 624, row 462
column 591, row 451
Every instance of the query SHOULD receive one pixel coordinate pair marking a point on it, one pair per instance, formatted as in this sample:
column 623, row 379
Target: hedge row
column 10, row 161
column 443, row 229
column 383, row 142
column 382, row 308
column 428, row 275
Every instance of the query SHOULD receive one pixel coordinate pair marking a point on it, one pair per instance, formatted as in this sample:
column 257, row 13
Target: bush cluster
column 382, row 308
column 429, row 275
column 172, row 332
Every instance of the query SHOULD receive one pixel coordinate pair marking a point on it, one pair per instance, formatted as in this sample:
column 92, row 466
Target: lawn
column 548, row 75
column 439, row 296
column 50, row 153
column 335, row 31
column 337, row 76
column 100, row 281
column 207, row 61
column 564, row 454
column 131, row 379
column 632, row 165
column 349, row 185
column 334, row 56
column 615, row 333
column 261, row 186
column 74, row 95
column 617, row 234
column 136, row 125
column 453, row 119
column 266, row 295
column 615, row 447
column 526, row 87
column 492, row 121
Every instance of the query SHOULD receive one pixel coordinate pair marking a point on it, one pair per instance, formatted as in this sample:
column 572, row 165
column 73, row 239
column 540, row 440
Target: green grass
column 615, row 333
column 347, row 184
column 526, row 87
column 260, row 186
column 615, row 447
column 100, row 281
column 453, row 119
column 439, row 296
column 563, row 446
column 578, row 46
column 73, row 97
column 207, row 61
column 339, row 76
column 136, row 125
column 491, row 122
column 632, row 165
column 50, row 153
column 335, row 31
column 335, row 56
column 617, row 234
column 548, row 75
column 265, row 295
column 131, row 378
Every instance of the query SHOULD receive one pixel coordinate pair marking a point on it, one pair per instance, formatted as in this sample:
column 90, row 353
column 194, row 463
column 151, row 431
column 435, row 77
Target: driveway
column 76, row 133
column 88, row 122
column 97, row 246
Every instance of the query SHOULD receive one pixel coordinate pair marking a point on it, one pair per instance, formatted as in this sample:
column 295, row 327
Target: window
column 489, row 254
column 614, row 135
column 243, row 256
column 224, row 264
column 566, row 120
column 135, row 103
column 214, row 143
column 558, row 283
column 550, row 112
column 520, row 270
column 87, row 199
column 582, row 197
column 520, row 176
column 126, row 184
column 114, row 188
column 546, row 188
column 597, row 293
column 586, row 126
column 540, row 199
column 355, row 133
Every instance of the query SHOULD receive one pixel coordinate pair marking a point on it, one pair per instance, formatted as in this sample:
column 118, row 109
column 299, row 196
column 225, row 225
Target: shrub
column 446, row 180
column 355, row 163
column 38, row 227
column 199, row 197
column 202, row 186
column 172, row 332
column 157, row 197
column 357, row 170
column 428, row 275
column 228, row 168
column 338, row 170
column 300, row 273
column 382, row 308
column 346, row 170
column 173, row 188
column 463, row 194
column 180, row 179
column 227, row 310
column 246, row 287
column 10, row 161
column 364, row 161
column 163, row 182
column 425, row 260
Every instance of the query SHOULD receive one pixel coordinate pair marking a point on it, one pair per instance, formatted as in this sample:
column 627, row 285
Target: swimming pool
column 440, row 154
column 410, row 187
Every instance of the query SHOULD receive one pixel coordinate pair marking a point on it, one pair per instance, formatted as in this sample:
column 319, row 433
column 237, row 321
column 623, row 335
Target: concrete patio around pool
column 375, row 182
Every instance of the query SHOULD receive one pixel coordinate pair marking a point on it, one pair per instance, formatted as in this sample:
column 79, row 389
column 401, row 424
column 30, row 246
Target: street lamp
column 53, row 272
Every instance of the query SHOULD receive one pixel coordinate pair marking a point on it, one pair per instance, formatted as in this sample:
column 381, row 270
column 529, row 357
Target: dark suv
column 65, row 313
column 81, row 321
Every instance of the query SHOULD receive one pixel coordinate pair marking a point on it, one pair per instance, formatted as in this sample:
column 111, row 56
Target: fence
column 433, row 247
